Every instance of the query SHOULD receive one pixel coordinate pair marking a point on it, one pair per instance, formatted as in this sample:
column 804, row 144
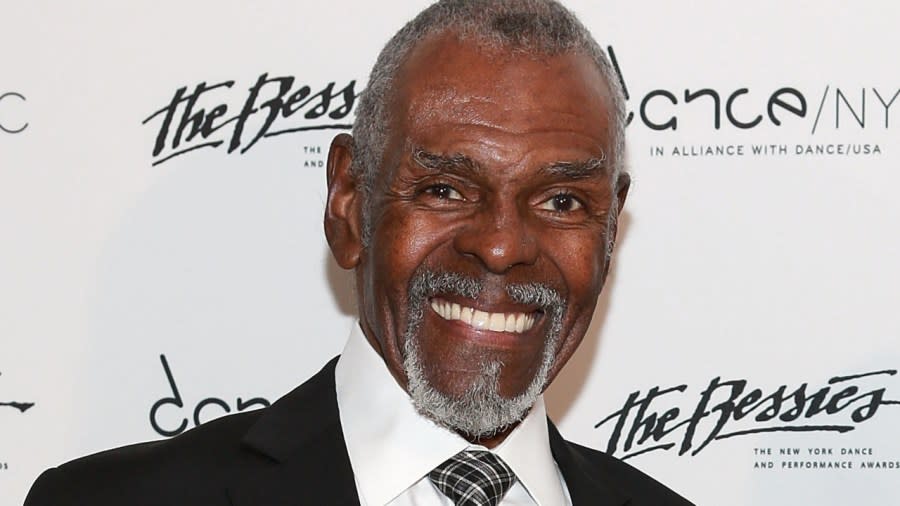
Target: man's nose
column 500, row 237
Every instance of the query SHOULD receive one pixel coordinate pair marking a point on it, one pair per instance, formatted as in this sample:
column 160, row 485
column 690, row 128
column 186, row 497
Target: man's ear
column 621, row 186
column 623, row 183
column 343, row 211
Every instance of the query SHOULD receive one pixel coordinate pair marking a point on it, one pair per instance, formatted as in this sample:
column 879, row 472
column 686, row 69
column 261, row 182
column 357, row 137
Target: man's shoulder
column 200, row 465
column 637, row 485
column 211, row 442
column 145, row 473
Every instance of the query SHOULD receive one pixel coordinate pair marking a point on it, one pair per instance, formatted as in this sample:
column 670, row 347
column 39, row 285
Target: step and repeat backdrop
column 163, row 263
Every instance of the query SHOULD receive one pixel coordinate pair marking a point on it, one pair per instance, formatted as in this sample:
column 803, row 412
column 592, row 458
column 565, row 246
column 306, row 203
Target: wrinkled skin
column 500, row 215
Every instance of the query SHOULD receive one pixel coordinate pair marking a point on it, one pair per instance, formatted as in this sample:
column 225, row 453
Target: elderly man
column 477, row 203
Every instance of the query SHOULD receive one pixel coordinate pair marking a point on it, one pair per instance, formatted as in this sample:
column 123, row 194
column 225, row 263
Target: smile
column 516, row 323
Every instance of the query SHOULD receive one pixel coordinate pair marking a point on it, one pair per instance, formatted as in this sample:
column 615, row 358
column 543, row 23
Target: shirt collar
column 391, row 446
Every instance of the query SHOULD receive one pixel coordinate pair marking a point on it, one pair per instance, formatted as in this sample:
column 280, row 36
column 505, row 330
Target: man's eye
column 443, row 192
column 561, row 203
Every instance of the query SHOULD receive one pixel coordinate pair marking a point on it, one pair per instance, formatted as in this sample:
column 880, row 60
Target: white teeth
column 480, row 319
column 510, row 324
column 466, row 315
column 496, row 322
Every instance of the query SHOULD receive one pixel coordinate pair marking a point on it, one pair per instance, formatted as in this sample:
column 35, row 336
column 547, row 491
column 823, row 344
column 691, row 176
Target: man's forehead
column 463, row 73
column 499, row 108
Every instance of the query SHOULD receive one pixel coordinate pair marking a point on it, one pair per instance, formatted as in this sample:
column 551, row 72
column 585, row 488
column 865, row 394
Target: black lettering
column 642, row 420
column 794, row 413
column 816, row 402
column 349, row 96
column 887, row 105
column 186, row 117
column 321, row 108
column 296, row 101
column 647, row 431
column 746, row 404
column 660, row 431
column 208, row 124
column 13, row 130
column 21, row 406
column 777, row 397
column 725, row 409
column 729, row 112
column 867, row 411
column 621, row 416
column 776, row 100
column 833, row 406
column 689, row 97
column 274, row 106
column 840, row 97
column 673, row 121
column 206, row 402
column 256, row 401
column 615, row 64
column 176, row 401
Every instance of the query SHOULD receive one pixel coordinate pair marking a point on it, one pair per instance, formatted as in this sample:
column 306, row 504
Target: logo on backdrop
column 10, row 115
column 649, row 422
column 204, row 116
column 169, row 416
column 19, row 406
column 839, row 109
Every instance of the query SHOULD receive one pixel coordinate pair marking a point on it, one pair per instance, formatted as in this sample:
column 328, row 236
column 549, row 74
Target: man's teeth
column 497, row 322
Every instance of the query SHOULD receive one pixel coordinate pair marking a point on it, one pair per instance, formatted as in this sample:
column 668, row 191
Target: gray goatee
column 480, row 411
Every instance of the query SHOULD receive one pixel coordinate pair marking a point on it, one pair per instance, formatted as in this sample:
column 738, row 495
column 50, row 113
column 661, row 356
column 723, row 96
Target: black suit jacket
column 289, row 454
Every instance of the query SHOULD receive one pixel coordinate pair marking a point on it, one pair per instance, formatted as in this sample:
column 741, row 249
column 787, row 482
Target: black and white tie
column 473, row 478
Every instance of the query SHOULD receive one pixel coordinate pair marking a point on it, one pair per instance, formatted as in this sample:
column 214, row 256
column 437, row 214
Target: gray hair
column 536, row 27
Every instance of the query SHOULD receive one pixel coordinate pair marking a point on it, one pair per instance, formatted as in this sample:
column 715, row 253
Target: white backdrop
column 735, row 271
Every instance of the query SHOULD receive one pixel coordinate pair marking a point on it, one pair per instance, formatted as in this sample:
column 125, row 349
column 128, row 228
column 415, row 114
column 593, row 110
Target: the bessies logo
column 19, row 406
column 200, row 412
column 835, row 108
column 728, row 409
column 198, row 117
column 11, row 121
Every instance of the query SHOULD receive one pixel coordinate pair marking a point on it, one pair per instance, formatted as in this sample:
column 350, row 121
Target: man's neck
column 490, row 442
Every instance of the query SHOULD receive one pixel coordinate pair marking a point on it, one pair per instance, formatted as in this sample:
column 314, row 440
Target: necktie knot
column 473, row 478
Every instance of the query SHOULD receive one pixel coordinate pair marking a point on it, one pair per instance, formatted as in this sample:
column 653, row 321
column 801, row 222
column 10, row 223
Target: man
column 477, row 203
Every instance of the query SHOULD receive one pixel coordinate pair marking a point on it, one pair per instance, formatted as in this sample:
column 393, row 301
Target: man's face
column 494, row 197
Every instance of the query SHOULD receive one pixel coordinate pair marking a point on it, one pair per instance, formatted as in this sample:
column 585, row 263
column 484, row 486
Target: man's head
column 478, row 204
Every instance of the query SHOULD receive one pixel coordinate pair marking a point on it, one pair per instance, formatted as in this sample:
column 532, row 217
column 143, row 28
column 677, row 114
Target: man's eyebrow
column 576, row 169
column 579, row 169
column 442, row 163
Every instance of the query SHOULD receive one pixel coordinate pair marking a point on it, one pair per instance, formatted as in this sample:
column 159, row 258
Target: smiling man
column 477, row 203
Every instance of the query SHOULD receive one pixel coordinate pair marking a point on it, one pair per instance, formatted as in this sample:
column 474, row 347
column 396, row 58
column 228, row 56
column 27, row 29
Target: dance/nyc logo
column 842, row 108
column 198, row 117
column 21, row 407
column 727, row 409
column 176, row 403
column 10, row 118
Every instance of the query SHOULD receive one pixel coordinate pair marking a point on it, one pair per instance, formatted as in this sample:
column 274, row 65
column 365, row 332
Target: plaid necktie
column 473, row 478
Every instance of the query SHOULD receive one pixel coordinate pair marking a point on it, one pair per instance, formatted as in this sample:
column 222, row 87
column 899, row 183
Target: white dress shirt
column 392, row 447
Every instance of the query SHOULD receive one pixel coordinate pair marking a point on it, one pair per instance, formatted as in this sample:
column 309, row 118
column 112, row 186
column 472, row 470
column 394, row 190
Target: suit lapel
column 586, row 481
column 295, row 452
column 295, row 455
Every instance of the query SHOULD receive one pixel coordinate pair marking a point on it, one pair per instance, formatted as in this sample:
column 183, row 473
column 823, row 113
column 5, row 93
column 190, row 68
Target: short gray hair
column 527, row 26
